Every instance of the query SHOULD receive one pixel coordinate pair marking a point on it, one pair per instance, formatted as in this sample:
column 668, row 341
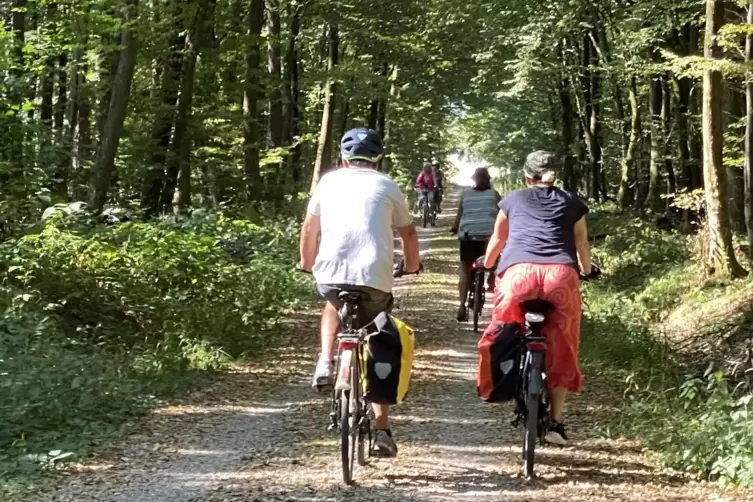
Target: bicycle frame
column 533, row 404
column 350, row 410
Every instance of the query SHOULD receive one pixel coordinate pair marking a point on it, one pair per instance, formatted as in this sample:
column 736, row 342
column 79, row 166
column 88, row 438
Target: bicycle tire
column 425, row 213
column 346, row 442
column 531, row 434
column 362, row 420
column 478, row 299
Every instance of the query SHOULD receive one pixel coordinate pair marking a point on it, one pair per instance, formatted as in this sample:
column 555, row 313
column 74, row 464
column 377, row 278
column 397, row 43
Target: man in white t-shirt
column 347, row 243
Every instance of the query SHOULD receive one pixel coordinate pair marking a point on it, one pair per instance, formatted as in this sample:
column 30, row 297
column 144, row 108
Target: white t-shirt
column 358, row 208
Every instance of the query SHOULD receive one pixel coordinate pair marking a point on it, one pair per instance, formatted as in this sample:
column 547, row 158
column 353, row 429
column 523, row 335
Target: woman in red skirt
column 541, row 233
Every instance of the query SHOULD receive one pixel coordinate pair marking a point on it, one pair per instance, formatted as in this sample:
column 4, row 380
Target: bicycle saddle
column 535, row 309
column 351, row 296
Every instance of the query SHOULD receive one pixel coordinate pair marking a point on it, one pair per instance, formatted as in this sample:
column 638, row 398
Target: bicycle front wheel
column 425, row 213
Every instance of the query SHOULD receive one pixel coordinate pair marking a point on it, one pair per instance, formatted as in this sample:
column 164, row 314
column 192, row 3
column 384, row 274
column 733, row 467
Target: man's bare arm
column 409, row 238
column 309, row 245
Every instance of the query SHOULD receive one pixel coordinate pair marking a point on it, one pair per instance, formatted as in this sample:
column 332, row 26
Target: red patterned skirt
column 557, row 284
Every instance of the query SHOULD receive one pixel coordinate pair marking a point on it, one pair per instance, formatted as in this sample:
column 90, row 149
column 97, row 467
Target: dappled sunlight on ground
column 259, row 434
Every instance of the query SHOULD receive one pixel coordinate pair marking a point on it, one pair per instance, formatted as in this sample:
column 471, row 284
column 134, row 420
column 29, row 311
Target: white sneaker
column 556, row 434
column 324, row 376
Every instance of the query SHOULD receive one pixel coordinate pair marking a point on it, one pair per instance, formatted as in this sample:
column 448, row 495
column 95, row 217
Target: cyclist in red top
column 425, row 185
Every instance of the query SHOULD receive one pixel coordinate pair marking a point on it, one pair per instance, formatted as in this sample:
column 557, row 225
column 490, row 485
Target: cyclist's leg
column 374, row 303
column 562, row 330
column 469, row 252
column 329, row 326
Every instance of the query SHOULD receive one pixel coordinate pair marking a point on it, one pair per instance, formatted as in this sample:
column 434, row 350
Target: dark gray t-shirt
column 542, row 222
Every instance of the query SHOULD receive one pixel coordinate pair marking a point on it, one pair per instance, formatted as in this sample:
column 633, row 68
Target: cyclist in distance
column 425, row 186
column 474, row 225
column 439, row 180
column 347, row 243
column 542, row 236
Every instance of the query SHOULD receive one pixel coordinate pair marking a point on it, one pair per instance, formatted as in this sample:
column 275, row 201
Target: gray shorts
column 374, row 302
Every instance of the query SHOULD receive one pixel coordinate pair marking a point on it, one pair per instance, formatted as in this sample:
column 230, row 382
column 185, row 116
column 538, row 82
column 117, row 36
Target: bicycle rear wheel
column 478, row 298
column 531, row 435
column 347, row 445
column 362, row 419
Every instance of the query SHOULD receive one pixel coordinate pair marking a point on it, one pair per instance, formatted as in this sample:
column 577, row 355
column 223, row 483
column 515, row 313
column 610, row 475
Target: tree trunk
column 344, row 119
column 46, row 112
column 195, row 42
column 696, row 135
column 274, row 65
column 251, row 93
column 292, row 97
column 373, row 113
column 71, row 119
column 626, row 193
column 587, row 113
column 382, row 113
column 666, row 119
column 735, row 189
column 113, row 126
column 597, row 169
column 158, row 187
column 324, row 148
column 653, row 199
column 721, row 258
column 60, row 177
column 684, row 86
column 106, row 82
column 15, row 130
column 566, row 124
column 84, row 145
column 748, row 167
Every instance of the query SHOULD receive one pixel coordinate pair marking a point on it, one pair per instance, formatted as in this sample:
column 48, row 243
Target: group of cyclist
column 535, row 240
column 430, row 186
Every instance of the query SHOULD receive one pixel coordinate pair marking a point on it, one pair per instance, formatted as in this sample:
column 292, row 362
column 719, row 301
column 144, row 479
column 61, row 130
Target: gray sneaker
column 385, row 445
column 324, row 376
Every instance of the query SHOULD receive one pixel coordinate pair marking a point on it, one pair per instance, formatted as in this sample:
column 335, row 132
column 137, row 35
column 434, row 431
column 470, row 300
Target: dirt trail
column 260, row 434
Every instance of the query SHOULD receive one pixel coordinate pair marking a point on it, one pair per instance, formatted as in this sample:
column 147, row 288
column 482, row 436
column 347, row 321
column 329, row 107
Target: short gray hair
column 542, row 166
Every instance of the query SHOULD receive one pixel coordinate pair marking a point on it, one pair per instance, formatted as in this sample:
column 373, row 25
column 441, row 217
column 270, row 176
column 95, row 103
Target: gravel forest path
column 259, row 433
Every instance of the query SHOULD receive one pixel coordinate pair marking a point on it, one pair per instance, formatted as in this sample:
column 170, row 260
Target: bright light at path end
column 465, row 168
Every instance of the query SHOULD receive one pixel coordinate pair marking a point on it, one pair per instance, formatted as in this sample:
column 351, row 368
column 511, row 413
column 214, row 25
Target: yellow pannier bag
column 388, row 360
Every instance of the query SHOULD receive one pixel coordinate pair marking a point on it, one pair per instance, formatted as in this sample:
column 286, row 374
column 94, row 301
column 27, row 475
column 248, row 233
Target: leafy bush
column 701, row 426
column 99, row 320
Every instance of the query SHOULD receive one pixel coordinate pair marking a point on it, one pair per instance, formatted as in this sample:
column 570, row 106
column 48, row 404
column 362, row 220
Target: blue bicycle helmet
column 362, row 144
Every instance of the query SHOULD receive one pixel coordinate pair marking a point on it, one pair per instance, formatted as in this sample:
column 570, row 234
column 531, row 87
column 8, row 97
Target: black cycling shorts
column 470, row 251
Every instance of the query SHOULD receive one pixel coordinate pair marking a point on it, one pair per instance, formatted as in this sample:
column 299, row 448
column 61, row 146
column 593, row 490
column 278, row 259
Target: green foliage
column 694, row 422
column 703, row 426
column 100, row 320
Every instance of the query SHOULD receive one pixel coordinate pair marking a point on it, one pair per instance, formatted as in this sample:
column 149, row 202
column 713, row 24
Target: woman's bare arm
column 582, row 246
column 458, row 216
column 498, row 239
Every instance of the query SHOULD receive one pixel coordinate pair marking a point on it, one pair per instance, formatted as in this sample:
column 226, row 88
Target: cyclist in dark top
column 542, row 235
column 439, row 180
